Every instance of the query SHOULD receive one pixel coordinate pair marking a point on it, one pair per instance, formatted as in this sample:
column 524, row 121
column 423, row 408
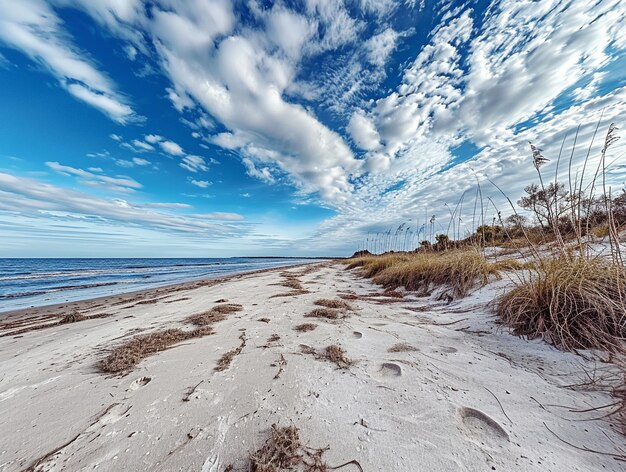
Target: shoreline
column 88, row 303
column 437, row 384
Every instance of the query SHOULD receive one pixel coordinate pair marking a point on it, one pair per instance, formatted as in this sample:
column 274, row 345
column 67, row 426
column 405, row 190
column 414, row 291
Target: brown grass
column 459, row 270
column 304, row 327
column 333, row 303
column 332, row 353
column 73, row 317
column 292, row 282
column 337, row 355
column 224, row 362
column 327, row 313
column 214, row 315
column 572, row 304
column 293, row 293
column 284, row 451
column 124, row 357
column 402, row 347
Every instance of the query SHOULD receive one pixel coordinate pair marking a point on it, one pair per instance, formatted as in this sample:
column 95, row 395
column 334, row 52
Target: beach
column 419, row 384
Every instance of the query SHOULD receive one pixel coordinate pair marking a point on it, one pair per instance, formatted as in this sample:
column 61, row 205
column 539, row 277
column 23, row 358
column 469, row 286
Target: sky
column 216, row 128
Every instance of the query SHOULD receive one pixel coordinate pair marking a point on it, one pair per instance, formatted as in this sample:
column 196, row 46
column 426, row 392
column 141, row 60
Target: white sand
column 433, row 409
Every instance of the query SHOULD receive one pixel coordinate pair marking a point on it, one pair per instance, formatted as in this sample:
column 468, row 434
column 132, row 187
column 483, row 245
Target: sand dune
column 412, row 384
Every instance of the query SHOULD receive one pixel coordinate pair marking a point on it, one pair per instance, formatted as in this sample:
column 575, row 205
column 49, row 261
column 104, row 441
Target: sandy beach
column 425, row 386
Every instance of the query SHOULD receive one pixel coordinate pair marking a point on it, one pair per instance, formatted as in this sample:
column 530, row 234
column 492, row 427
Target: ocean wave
column 54, row 290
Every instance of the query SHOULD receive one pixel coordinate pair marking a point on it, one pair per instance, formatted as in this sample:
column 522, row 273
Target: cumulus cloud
column 380, row 46
column 363, row 131
column 171, row 148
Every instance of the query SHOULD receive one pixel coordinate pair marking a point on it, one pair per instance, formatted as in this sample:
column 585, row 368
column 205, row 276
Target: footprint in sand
column 447, row 350
column 389, row 369
column 357, row 334
column 483, row 428
column 113, row 414
column 137, row 384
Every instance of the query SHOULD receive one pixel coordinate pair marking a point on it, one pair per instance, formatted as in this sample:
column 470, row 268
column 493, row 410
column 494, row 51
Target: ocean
column 26, row 283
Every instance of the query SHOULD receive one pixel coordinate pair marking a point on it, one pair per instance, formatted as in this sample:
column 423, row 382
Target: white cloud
column 28, row 196
column 172, row 148
column 142, row 146
column 193, row 163
column 131, row 52
column 363, row 131
column 119, row 183
column 140, row 162
column 338, row 27
column 288, row 30
column 33, row 28
column 153, row 138
column 262, row 173
column 200, row 183
column 218, row 215
column 380, row 46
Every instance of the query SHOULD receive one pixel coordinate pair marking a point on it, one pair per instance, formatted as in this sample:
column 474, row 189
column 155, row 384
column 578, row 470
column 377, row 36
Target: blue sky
column 219, row 128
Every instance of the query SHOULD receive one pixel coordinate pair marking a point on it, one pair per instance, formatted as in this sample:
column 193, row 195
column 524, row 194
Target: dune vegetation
column 561, row 244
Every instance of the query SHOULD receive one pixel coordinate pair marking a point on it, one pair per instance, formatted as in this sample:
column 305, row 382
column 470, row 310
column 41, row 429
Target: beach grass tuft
column 333, row 303
column 328, row 313
column 574, row 304
column 214, row 315
column 402, row 347
column 125, row 356
column 304, row 327
column 459, row 270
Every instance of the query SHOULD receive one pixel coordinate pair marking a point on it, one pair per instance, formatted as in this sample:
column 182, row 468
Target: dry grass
column 460, row 270
column 284, row 451
column 576, row 304
column 224, row 362
column 327, row 313
column 304, row 327
column 402, row 347
column 214, row 315
column 73, row 317
column 337, row 354
column 332, row 353
column 332, row 303
column 124, row 357
column 293, row 283
column 293, row 293
column 273, row 338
